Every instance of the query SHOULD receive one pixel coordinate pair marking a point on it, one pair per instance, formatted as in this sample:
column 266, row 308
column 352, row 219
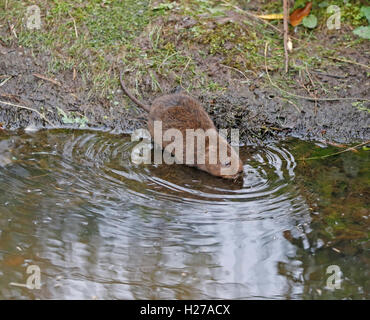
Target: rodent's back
column 179, row 111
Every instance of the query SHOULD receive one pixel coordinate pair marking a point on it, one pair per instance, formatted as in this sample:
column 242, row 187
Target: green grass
column 87, row 35
column 97, row 37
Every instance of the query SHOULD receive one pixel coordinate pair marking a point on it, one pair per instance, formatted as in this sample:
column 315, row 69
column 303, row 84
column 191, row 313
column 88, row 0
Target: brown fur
column 181, row 112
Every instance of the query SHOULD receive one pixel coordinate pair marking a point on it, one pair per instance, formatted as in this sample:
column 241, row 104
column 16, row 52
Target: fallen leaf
column 297, row 15
column 273, row 16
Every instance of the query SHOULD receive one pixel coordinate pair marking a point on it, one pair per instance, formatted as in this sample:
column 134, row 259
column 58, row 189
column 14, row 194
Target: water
column 100, row 227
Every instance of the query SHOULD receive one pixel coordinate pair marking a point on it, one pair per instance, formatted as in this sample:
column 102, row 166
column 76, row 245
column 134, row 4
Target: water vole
column 182, row 112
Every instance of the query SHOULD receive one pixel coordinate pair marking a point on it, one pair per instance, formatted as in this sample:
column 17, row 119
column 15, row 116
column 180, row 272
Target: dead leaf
column 273, row 16
column 297, row 15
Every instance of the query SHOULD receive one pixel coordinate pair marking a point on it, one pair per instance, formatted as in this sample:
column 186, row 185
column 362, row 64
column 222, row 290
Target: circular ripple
column 100, row 164
column 76, row 196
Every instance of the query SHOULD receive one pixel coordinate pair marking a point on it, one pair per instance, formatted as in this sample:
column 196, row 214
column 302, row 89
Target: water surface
column 100, row 227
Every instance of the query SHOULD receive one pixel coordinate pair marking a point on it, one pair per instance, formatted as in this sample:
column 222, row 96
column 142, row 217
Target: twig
column 286, row 10
column 292, row 103
column 303, row 97
column 271, row 128
column 40, row 76
column 27, row 108
column 74, row 24
column 183, row 70
column 10, row 96
column 336, row 153
column 313, row 88
column 235, row 69
column 330, row 75
column 35, row 177
column 350, row 61
column 5, row 81
column 165, row 59
column 12, row 29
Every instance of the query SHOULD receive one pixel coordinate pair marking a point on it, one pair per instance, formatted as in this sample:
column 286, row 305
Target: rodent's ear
column 177, row 89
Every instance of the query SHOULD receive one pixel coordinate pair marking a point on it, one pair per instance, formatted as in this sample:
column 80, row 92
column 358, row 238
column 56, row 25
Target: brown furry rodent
column 182, row 112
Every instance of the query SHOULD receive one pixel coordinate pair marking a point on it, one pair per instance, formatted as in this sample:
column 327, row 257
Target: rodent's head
column 228, row 164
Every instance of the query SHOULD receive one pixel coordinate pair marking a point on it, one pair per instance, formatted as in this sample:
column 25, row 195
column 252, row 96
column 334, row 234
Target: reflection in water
column 100, row 226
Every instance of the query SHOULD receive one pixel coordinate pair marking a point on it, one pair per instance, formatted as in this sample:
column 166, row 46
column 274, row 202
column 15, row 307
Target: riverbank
column 232, row 63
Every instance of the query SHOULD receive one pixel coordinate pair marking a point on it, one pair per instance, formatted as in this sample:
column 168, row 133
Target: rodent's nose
column 239, row 175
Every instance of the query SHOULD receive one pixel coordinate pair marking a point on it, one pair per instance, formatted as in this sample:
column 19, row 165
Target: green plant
column 364, row 31
column 72, row 118
column 310, row 21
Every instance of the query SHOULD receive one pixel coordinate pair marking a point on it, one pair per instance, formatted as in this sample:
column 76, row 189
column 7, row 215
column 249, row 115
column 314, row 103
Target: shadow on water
column 99, row 226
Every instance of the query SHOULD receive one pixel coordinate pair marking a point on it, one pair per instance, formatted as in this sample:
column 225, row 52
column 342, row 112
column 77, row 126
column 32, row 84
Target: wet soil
column 254, row 108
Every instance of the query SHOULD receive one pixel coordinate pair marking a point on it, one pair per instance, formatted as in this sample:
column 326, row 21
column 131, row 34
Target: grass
column 87, row 35
column 148, row 39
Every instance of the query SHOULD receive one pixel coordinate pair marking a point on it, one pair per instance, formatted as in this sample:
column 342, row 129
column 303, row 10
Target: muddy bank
column 255, row 109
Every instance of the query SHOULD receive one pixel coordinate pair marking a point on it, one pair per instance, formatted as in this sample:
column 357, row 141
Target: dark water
column 99, row 226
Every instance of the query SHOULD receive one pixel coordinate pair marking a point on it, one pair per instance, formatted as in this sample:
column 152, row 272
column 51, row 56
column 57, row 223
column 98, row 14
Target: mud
column 256, row 110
